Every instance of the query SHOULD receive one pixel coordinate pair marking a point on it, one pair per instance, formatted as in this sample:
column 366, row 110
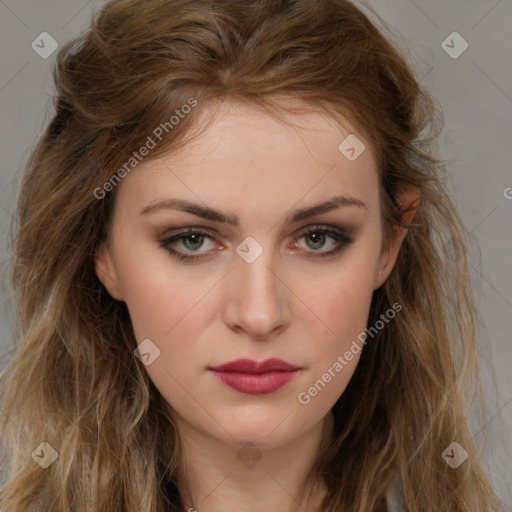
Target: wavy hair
column 74, row 381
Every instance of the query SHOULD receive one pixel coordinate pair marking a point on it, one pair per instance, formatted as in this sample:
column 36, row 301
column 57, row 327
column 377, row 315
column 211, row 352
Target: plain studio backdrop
column 459, row 49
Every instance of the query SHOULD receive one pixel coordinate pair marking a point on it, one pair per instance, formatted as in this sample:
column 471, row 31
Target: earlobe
column 105, row 271
column 388, row 258
column 409, row 200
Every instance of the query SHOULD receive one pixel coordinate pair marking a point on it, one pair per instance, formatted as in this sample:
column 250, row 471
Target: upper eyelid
column 195, row 229
column 183, row 232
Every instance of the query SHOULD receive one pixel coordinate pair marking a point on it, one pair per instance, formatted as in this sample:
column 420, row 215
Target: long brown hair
column 74, row 381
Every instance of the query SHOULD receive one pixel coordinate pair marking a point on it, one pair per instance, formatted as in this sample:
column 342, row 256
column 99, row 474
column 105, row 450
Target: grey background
column 475, row 92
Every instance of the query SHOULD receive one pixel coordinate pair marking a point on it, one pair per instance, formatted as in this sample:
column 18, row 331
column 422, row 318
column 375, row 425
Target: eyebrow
column 217, row 216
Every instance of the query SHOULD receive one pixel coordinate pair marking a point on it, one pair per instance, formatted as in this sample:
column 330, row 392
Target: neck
column 217, row 477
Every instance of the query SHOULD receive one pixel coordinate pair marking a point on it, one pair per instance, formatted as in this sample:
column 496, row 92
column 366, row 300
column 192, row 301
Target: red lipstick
column 253, row 378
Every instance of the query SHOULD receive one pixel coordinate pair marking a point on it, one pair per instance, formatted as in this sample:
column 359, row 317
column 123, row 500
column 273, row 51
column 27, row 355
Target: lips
column 249, row 366
column 255, row 378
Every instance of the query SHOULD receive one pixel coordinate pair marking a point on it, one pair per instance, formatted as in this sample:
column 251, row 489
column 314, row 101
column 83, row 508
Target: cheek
column 342, row 299
column 347, row 301
column 343, row 305
column 160, row 298
column 170, row 308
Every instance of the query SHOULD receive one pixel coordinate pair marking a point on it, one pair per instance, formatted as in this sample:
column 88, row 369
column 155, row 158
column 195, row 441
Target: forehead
column 245, row 129
column 259, row 163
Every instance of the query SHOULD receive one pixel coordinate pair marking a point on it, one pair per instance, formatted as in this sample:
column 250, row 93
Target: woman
column 233, row 283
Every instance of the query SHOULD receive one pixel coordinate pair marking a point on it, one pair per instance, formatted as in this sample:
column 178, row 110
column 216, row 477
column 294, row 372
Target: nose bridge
column 256, row 295
column 257, row 276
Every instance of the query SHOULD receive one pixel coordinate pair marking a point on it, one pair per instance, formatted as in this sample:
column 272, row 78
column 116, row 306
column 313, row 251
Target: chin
column 266, row 431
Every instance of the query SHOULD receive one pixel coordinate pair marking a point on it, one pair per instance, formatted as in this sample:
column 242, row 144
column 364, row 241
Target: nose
column 256, row 298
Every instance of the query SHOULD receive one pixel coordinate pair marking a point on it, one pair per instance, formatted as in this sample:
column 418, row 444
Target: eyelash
column 339, row 235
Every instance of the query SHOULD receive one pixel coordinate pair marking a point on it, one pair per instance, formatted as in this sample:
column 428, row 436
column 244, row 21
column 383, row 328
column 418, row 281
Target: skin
column 287, row 303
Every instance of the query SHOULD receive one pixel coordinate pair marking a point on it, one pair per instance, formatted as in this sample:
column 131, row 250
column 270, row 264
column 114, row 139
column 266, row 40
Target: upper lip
column 250, row 366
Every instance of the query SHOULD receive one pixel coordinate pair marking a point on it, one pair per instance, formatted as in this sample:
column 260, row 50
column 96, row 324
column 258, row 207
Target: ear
column 105, row 270
column 409, row 199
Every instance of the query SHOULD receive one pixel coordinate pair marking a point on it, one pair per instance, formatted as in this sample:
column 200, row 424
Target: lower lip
column 255, row 383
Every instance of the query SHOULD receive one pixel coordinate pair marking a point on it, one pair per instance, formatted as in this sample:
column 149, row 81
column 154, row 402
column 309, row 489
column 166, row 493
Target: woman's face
column 271, row 273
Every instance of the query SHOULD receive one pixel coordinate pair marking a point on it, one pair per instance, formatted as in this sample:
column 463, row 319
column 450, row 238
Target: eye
column 193, row 240
column 317, row 237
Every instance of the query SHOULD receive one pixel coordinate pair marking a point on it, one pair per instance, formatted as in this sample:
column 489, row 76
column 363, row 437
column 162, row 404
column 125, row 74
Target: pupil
column 317, row 237
column 196, row 240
